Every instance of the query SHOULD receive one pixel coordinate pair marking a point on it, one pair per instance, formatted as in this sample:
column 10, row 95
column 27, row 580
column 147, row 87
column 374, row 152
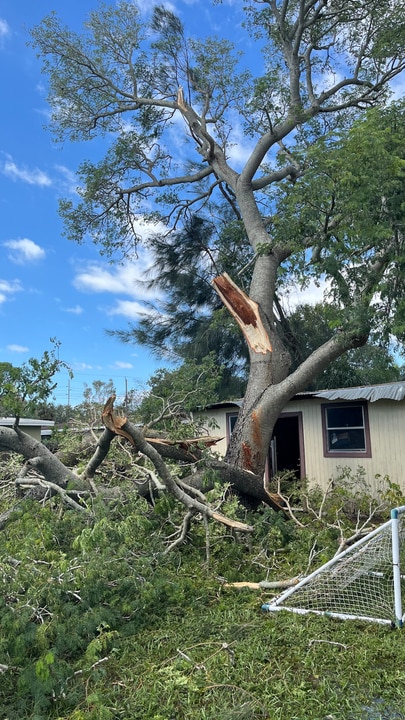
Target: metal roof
column 24, row 422
column 385, row 391
column 388, row 391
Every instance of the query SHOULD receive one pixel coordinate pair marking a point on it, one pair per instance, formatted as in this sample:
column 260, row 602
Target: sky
column 49, row 286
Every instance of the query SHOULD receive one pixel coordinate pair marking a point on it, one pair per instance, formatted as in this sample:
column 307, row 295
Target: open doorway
column 287, row 446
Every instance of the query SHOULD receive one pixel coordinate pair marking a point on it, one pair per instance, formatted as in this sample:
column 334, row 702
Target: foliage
column 10, row 466
column 97, row 621
column 174, row 394
column 122, row 76
column 190, row 321
column 308, row 326
column 23, row 388
column 349, row 205
column 94, row 398
column 317, row 196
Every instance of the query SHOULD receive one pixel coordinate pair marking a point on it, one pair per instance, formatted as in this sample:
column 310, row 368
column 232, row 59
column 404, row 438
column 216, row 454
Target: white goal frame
column 397, row 617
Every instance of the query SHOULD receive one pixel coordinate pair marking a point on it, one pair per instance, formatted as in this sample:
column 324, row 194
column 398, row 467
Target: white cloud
column 130, row 309
column 314, row 293
column 97, row 278
column 69, row 179
column 145, row 6
column 239, row 147
column 8, row 288
column 76, row 310
column 33, row 176
column 146, row 229
column 24, row 251
column 17, row 348
column 128, row 279
column 128, row 282
column 4, row 29
column 124, row 280
column 120, row 365
column 83, row 366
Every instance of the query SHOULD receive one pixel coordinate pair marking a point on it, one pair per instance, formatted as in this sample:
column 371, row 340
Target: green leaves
column 345, row 217
column 23, row 388
column 174, row 394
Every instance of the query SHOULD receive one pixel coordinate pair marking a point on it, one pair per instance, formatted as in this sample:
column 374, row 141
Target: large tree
column 187, row 320
column 317, row 199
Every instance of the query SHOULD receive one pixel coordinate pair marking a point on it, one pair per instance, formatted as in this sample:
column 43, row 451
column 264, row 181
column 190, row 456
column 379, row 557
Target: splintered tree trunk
column 249, row 445
column 270, row 386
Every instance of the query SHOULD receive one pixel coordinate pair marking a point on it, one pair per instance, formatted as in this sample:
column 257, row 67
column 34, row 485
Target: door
column 287, row 445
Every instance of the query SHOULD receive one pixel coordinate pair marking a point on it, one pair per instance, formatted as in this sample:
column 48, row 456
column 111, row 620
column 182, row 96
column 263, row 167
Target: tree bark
column 14, row 440
column 269, row 387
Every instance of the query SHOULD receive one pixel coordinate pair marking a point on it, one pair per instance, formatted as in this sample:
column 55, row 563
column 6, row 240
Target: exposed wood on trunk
column 246, row 313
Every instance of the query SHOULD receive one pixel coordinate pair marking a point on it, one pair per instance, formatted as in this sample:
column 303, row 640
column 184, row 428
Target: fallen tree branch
column 47, row 464
column 121, row 426
column 182, row 533
column 48, row 485
column 101, row 452
column 264, row 584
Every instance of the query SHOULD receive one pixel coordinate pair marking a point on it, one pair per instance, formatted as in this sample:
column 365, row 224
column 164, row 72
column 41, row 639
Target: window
column 346, row 430
column 231, row 419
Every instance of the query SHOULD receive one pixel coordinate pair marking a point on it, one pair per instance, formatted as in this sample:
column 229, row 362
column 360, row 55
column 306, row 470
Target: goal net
column 364, row 582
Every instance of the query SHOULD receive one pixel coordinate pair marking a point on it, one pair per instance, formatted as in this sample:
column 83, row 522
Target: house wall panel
column 387, row 435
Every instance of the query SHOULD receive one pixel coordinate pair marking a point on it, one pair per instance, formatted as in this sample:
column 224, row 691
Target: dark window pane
column 340, row 417
column 353, row 440
column 232, row 422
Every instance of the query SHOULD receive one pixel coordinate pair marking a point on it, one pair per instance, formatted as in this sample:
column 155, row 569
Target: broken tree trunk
column 12, row 439
column 246, row 313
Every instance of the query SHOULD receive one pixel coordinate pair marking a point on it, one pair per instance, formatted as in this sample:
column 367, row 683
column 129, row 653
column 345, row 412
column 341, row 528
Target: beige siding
column 217, row 416
column 387, row 436
column 35, row 432
column 387, row 425
column 30, row 427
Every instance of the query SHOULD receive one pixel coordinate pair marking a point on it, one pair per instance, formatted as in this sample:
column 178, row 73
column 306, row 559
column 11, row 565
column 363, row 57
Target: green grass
column 97, row 623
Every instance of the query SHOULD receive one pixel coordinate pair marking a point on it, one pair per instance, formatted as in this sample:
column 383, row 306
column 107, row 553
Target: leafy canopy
column 317, row 187
column 23, row 388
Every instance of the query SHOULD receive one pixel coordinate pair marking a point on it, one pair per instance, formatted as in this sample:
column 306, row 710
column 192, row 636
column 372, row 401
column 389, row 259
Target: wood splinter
column 246, row 313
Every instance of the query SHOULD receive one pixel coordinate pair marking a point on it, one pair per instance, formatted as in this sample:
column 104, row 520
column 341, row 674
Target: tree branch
column 121, row 426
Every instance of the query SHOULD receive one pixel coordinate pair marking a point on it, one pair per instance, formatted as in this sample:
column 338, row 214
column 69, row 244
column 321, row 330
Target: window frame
column 229, row 416
column 343, row 453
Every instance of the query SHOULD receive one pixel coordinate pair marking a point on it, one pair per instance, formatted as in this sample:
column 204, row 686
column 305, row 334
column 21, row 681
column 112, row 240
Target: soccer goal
column 362, row 583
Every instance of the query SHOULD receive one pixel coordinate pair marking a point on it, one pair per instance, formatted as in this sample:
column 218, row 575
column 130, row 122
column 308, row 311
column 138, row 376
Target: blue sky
column 50, row 287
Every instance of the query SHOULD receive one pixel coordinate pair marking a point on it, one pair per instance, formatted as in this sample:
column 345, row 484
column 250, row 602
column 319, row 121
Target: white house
column 29, row 426
column 319, row 431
